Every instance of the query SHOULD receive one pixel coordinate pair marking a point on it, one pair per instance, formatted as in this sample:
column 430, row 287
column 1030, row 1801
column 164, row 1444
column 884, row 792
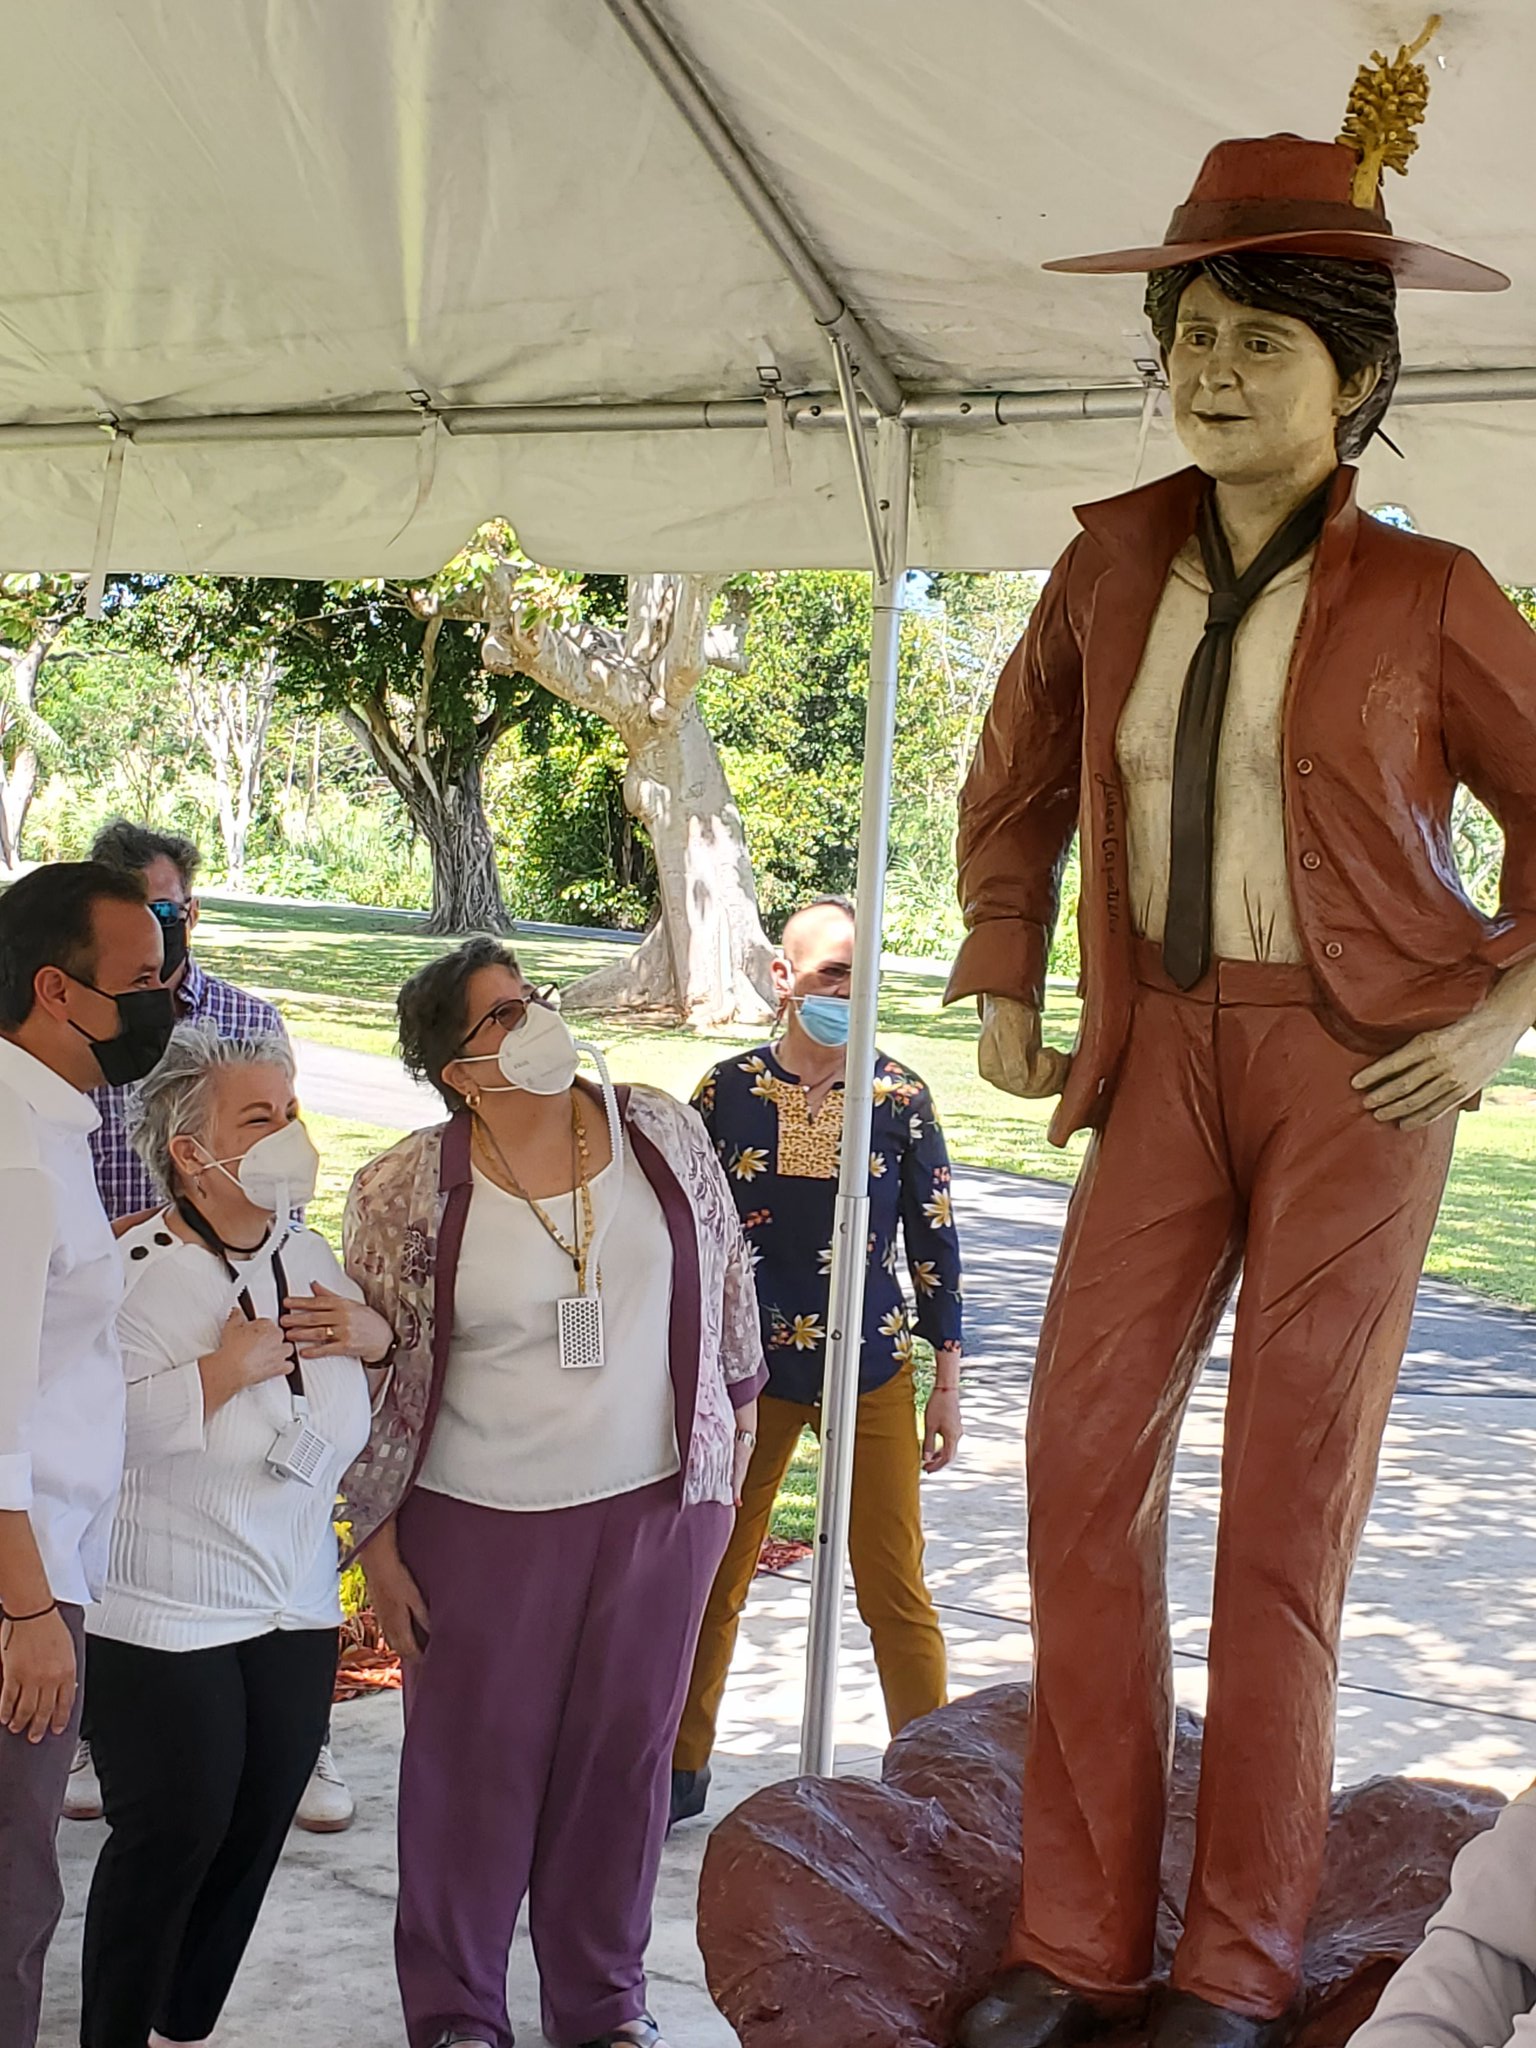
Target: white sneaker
column 82, row 1796
column 327, row 1806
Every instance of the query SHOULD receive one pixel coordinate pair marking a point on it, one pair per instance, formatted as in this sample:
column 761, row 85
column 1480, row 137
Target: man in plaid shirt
column 167, row 865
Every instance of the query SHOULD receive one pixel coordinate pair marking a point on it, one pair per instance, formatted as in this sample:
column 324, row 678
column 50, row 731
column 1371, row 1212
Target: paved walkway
column 1438, row 1665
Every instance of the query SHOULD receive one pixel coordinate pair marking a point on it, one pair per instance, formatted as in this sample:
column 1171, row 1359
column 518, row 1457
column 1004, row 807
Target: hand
column 746, row 1419
column 395, row 1598
column 249, row 1353
column 325, row 1324
column 1435, row 1073
column 38, row 1676
column 1011, row 1055
column 942, row 1427
column 124, row 1224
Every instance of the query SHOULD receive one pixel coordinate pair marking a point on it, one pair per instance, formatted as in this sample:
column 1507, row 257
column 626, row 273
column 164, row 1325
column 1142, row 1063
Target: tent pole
column 845, row 1318
column 680, row 82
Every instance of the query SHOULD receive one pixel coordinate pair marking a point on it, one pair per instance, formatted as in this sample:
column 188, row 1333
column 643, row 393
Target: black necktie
column 1197, row 740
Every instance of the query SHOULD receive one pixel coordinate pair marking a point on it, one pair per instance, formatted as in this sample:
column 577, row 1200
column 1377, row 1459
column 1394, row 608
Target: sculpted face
column 1255, row 394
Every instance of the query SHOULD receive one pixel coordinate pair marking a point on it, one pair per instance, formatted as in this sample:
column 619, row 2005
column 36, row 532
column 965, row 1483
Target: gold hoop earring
column 473, row 1100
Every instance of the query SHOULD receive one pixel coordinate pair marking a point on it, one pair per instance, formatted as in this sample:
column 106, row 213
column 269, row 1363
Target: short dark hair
column 430, row 1009
column 130, row 848
column 46, row 920
column 1350, row 306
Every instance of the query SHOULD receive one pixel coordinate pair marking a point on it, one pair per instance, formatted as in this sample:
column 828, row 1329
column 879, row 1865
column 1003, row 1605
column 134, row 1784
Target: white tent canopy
column 231, row 224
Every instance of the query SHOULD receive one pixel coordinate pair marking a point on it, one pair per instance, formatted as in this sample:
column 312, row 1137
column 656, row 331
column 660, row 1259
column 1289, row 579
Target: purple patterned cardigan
column 403, row 1229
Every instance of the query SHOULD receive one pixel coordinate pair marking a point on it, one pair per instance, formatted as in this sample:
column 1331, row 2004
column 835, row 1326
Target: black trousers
column 203, row 1756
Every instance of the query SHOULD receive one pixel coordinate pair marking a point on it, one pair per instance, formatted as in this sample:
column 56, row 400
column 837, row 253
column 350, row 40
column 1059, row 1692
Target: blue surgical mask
column 825, row 1019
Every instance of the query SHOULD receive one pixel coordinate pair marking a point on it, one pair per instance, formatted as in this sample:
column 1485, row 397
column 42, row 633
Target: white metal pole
column 845, row 1317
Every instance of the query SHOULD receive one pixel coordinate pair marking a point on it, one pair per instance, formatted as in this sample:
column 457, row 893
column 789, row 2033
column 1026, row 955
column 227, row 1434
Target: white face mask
column 279, row 1172
column 539, row 1056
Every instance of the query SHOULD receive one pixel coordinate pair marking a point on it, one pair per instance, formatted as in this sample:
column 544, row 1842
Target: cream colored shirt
column 1252, row 916
column 516, row 1429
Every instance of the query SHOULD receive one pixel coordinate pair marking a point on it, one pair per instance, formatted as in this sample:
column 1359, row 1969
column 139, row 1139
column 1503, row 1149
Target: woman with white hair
column 245, row 1348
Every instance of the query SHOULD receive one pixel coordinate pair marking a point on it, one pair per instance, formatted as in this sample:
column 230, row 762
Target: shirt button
column 1303, row 767
column 1334, row 950
column 1311, row 860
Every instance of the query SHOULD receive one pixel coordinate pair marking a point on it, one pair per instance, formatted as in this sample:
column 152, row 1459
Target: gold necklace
column 581, row 1195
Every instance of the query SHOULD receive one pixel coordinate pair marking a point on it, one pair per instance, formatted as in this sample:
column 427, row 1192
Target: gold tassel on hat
column 1387, row 102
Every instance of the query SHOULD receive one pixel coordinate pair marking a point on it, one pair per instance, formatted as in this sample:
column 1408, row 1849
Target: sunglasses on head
column 510, row 1013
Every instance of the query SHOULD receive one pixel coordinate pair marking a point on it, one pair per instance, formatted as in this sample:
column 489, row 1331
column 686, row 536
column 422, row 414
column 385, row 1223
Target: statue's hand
column 1011, row 1055
column 1436, row 1072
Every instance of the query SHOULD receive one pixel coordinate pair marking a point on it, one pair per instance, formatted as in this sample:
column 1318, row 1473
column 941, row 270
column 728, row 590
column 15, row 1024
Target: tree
column 707, row 958
column 402, row 668
column 220, row 638
column 35, row 613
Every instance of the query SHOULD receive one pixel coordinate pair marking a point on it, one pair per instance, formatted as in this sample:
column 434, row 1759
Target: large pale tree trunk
column 708, row 957
column 707, row 960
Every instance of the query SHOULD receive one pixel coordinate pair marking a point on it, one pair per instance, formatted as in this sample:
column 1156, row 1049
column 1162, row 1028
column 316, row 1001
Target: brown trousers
column 885, row 1548
column 1234, row 1139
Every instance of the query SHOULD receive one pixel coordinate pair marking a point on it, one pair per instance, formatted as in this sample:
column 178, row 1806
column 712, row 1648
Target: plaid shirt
column 125, row 1185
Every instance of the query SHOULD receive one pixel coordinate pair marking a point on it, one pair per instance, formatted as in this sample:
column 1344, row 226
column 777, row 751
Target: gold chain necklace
column 581, row 1195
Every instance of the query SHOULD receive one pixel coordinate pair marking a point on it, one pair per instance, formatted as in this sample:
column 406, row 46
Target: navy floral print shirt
column 782, row 1166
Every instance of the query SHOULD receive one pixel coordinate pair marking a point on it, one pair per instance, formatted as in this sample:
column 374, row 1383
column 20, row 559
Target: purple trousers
column 538, row 1749
column 33, row 1778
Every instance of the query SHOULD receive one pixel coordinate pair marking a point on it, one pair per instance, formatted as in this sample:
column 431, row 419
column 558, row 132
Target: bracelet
column 41, row 1614
column 747, row 1437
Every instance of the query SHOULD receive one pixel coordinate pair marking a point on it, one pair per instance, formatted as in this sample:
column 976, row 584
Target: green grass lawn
column 335, row 973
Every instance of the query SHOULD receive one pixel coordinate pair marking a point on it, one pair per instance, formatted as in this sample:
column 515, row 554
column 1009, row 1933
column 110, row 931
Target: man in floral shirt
column 776, row 1116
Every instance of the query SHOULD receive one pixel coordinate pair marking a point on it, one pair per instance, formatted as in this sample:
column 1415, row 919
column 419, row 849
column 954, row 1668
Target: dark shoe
column 1029, row 2009
column 690, row 1789
column 1185, row 2021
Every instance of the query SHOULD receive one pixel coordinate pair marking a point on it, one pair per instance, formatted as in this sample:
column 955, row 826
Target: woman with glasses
column 545, row 1498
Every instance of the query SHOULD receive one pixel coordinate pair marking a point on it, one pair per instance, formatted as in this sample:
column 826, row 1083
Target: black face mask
column 146, row 1019
column 173, row 934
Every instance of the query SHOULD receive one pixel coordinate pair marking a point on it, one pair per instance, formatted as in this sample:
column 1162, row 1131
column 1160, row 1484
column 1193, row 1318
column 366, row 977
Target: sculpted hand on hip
column 1011, row 1055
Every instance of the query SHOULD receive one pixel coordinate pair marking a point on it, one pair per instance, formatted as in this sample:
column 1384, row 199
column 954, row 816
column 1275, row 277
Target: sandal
column 640, row 2033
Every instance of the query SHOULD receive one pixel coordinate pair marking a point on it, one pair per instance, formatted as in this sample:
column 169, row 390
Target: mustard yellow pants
column 885, row 1545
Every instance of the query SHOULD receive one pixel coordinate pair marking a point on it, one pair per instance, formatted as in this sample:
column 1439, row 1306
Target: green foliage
column 571, row 853
column 791, row 731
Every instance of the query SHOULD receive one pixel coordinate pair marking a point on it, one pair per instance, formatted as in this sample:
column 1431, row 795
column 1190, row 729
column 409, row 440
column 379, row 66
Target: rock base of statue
column 844, row 1913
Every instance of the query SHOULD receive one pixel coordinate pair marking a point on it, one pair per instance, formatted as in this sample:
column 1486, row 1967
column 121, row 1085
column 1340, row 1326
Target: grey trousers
column 33, row 1777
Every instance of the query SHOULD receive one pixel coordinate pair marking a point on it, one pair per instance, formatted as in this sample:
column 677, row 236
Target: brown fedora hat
column 1295, row 197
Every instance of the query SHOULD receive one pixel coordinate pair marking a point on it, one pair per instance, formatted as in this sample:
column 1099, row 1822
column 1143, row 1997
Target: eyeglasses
column 510, row 1014
column 169, row 913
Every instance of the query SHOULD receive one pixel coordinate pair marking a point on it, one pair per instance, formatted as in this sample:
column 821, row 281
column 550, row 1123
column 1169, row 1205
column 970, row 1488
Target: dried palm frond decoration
column 1387, row 102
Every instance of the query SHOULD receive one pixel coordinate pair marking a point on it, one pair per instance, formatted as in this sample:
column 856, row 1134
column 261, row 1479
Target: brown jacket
column 1412, row 672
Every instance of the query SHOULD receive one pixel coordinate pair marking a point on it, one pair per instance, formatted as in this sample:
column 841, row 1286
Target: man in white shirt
column 81, row 1002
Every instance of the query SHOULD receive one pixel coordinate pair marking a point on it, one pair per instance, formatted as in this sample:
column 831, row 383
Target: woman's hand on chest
column 250, row 1352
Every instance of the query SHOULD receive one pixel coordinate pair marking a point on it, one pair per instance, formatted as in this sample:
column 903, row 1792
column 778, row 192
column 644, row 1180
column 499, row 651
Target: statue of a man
column 1254, row 704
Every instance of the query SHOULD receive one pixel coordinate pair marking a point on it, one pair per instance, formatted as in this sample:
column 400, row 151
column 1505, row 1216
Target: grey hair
column 177, row 1098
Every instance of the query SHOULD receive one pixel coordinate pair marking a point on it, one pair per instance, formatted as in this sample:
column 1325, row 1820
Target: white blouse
column 208, row 1545
column 516, row 1429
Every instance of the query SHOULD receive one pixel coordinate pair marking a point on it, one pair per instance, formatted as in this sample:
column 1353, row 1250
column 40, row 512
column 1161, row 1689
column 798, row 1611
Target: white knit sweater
column 208, row 1546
